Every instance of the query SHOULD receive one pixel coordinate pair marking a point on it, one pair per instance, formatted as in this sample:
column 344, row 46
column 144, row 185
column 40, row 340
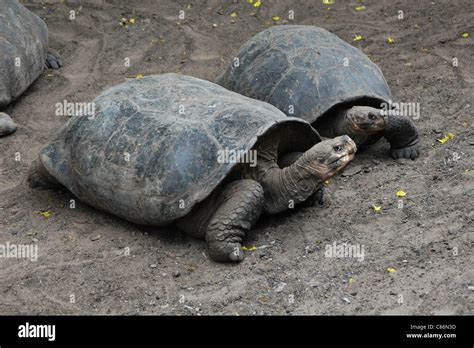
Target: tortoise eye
column 338, row 148
column 372, row 117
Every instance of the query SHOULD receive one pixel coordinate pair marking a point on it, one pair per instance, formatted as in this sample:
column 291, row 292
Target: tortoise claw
column 409, row 152
column 53, row 61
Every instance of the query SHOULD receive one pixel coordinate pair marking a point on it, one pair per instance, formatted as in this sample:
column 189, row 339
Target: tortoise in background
column 301, row 70
column 23, row 55
column 151, row 156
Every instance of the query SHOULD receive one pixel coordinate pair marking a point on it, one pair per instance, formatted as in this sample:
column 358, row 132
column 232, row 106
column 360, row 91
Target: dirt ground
column 83, row 266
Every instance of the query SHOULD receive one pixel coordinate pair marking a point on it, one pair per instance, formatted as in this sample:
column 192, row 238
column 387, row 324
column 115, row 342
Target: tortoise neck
column 283, row 187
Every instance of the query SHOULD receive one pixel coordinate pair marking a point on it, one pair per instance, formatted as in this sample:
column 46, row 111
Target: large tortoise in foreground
column 152, row 154
column 23, row 54
column 310, row 73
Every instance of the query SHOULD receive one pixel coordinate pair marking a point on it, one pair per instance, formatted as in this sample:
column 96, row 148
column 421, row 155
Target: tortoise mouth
column 369, row 127
column 342, row 160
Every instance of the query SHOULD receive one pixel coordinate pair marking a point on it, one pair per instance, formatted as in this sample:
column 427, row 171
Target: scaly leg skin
column 38, row 177
column 403, row 137
column 223, row 219
column 53, row 60
column 317, row 197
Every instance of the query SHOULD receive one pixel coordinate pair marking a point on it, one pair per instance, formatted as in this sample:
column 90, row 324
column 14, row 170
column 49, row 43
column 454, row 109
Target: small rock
column 81, row 220
column 352, row 170
column 34, row 240
column 96, row 238
column 176, row 274
column 153, row 265
column 280, row 287
column 7, row 126
column 345, row 299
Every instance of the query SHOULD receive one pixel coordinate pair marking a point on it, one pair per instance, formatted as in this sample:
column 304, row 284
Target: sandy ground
column 83, row 267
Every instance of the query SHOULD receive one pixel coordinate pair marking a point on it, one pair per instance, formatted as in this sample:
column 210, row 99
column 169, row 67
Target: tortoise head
column 365, row 120
column 329, row 157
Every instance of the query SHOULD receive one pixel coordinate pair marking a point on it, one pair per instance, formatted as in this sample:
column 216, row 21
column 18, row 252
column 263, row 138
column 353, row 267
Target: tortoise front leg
column 224, row 217
column 239, row 206
column 402, row 135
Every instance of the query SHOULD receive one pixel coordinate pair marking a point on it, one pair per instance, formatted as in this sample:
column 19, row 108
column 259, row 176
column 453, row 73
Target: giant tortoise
column 310, row 73
column 23, row 55
column 154, row 154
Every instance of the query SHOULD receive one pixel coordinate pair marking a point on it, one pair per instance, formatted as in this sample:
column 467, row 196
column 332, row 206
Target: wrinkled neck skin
column 285, row 187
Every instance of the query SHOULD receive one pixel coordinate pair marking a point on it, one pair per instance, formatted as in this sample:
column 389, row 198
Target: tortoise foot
column 405, row 152
column 7, row 126
column 53, row 61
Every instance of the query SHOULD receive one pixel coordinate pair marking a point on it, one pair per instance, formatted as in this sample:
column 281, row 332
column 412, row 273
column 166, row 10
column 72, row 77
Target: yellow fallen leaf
column 446, row 138
column 250, row 1
column 391, row 270
column 390, row 40
column 360, row 8
column 401, row 193
column 327, row 182
column 263, row 298
column 276, row 18
column 358, row 37
column 250, row 248
column 131, row 20
column 329, row 2
column 465, row 34
column 257, row 3
column 46, row 214
column 377, row 209
column 139, row 76
column 351, row 280
column 233, row 14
